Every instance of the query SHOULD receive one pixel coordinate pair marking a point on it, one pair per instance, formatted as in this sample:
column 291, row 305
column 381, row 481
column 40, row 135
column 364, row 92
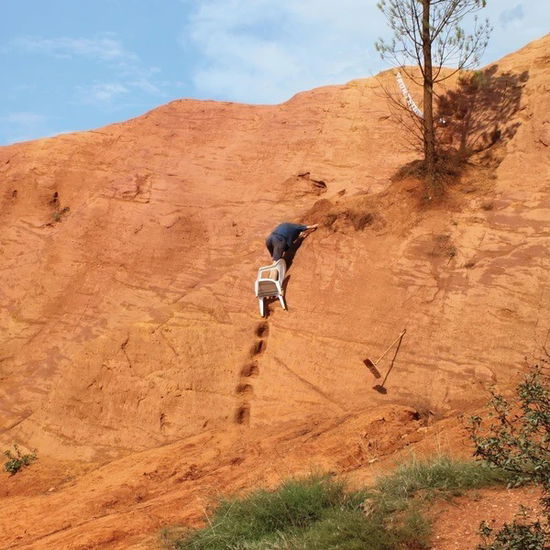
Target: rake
column 373, row 365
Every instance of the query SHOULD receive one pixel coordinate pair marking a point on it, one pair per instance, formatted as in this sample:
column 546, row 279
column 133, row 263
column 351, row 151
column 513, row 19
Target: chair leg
column 282, row 300
column 262, row 306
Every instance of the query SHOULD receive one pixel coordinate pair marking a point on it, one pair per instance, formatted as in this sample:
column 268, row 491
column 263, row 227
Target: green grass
column 442, row 477
column 318, row 513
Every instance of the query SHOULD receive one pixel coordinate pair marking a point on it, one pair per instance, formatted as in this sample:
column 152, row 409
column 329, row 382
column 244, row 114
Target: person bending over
column 282, row 237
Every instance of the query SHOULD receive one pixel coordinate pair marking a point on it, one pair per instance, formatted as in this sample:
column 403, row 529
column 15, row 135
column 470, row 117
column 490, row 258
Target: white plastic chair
column 269, row 283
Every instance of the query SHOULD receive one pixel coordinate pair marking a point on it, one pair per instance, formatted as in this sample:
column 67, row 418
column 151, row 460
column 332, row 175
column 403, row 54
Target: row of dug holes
column 249, row 371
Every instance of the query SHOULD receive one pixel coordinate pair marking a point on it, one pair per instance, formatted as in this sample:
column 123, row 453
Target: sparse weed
column 58, row 214
column 17, row 460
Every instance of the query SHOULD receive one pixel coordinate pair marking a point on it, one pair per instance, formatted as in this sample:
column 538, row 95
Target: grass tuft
column 441, row 477
column 318, row 512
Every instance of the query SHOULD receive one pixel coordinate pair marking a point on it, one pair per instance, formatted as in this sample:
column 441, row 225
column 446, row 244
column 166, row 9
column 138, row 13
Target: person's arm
column 311, row 227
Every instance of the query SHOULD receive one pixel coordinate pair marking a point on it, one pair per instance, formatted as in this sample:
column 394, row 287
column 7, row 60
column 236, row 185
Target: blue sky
column 75, row 65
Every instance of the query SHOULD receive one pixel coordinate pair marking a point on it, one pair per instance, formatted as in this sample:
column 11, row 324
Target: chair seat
column 267, row 288
column 267, row 294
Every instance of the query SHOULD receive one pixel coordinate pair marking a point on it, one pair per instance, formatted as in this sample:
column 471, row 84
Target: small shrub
column 58, row 214
column 17, row 460
column 518, row 442
column 513, row 536
column 449, row 167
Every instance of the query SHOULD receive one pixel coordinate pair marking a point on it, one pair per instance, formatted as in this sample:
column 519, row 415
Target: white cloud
column 515, row 24
column 146, row 85
column 103, row 48
column 122, row 67
column 24, row 118
column 514, row 14
column 22, row 126
column 25, row 126
column 102, row 92
column 262, row 51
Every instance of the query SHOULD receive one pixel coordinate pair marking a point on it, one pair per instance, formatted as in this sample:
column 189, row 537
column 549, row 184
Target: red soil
column 456, row 524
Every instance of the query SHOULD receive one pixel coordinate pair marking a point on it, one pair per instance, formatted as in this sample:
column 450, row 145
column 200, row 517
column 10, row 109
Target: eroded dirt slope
column 132, row 354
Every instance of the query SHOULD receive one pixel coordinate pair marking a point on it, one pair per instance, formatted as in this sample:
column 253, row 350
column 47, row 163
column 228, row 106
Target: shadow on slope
column 479, row 112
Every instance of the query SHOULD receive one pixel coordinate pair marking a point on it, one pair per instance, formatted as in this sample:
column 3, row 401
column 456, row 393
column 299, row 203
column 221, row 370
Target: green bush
column 517, row 440
column 513, row 536
column 17, row 460
column 319, row 513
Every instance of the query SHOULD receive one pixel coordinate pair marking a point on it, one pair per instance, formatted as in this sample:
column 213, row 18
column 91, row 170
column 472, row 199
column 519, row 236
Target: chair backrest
column 270, row 273
column 280, row 265
column 274, row 272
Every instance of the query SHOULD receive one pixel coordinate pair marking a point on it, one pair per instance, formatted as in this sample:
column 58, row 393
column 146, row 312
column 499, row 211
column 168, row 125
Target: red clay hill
column 133, row 358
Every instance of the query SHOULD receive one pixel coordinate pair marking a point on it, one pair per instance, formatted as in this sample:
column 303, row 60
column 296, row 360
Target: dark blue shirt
column 289, row 231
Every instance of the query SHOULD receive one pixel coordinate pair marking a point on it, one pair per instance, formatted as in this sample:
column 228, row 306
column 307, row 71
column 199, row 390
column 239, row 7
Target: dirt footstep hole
column 257, row 348
column 250, row 370
column 244, row 389
column 262, row 330
column 242, row 414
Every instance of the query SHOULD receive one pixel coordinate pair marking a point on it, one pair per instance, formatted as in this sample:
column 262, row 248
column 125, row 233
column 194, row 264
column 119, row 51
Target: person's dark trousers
column 276, row 246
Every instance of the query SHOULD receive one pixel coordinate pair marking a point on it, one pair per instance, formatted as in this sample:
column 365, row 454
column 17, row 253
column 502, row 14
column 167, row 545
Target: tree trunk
column 434, row 186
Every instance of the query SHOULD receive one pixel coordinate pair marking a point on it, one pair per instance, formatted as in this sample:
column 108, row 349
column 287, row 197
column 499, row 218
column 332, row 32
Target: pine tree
column 429, row 34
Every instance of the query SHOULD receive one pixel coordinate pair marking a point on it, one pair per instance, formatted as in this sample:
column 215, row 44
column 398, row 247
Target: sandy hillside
column 132, row 355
